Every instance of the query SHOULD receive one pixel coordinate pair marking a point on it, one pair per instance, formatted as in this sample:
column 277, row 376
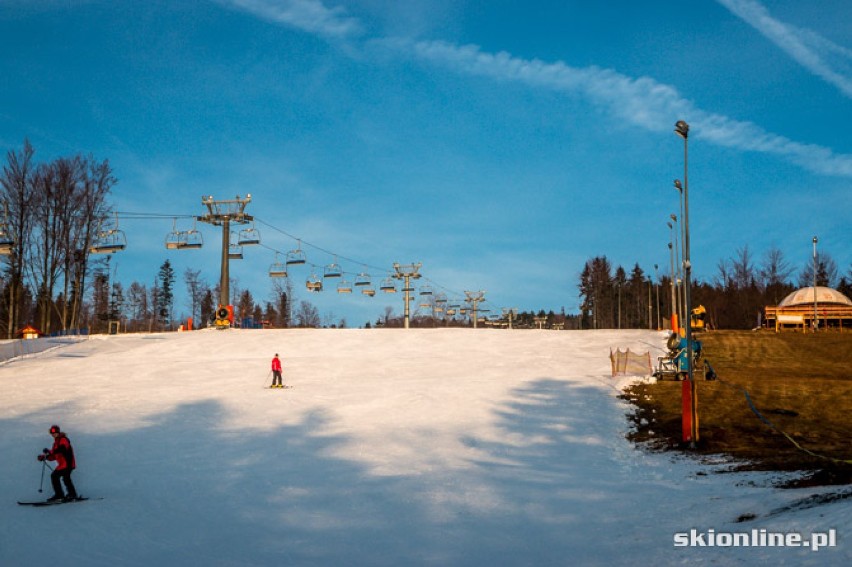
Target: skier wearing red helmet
column 63, row 454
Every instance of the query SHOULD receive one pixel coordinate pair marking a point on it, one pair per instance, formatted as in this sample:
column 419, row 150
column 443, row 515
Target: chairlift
column 109, row 241
column 191, row 240
column 314, row 283
column 235, row 252
column 277, row 269
column 362, row 279
column 369, row 291
column 388, row 285
column 343, row 286
column 425, row 289
column 173, row 239
column 249, row 237
column 297, row 256
column 333, row 270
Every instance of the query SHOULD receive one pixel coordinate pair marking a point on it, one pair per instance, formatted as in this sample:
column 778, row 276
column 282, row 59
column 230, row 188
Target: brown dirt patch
column 800, row 383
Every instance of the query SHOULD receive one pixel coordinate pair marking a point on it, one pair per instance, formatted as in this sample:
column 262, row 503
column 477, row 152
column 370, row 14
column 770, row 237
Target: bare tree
column 17, row 190
column 307, row 315
column 195, row 289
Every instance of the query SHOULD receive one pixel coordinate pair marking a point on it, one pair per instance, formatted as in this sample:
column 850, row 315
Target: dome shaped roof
column 805, row 296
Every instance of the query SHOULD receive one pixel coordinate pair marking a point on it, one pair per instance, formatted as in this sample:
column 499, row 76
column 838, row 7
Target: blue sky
column 502, row 144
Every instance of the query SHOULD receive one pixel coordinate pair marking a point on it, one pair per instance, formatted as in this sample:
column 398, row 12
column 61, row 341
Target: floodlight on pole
column 682, row 130
column 816, row 316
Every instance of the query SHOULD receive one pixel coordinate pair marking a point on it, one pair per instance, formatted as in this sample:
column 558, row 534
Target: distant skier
column 63, row 454
column 276, row 372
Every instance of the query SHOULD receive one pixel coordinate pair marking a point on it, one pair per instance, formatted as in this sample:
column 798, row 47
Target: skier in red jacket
column 276, row 372
column 63, row 454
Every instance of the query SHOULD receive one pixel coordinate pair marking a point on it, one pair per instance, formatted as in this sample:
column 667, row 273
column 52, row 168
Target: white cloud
column 308, row 15
column 823, row 58
column 643, row 102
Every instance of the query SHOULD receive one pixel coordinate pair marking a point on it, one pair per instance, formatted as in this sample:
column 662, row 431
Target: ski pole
column 41, row 484
column 266, row 381
column 44, row 465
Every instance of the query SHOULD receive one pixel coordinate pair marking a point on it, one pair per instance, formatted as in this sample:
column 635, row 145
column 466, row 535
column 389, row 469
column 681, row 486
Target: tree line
column 734, row 299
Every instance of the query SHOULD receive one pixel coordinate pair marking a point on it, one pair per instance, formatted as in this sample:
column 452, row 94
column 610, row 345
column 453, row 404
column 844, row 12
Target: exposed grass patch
column 801, row 383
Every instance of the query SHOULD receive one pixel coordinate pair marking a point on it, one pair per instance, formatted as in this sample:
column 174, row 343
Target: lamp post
column 657, row 286
column 619, row 303
column 678, row 264
column 816, row 319
column 682, row 130
column 673, row 314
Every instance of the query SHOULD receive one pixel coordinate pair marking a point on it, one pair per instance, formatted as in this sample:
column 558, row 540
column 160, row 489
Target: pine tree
column 165, row 298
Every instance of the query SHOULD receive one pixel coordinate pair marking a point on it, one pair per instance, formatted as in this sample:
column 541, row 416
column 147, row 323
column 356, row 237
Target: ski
column 278, row 387
column 56, row 502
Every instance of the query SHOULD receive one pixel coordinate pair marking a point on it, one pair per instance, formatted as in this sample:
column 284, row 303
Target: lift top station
column 224, row 213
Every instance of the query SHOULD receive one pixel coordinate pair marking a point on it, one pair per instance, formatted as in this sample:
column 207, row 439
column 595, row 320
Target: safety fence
column 630, row 363
column 18, row 348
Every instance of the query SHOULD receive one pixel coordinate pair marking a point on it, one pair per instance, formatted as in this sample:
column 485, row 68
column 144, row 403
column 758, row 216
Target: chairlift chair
column 277, row 269
column 297, row 256
column 109, row 241
column 191, row 240
column 249, row 237
column 362, row 279
column 173, row 240
column 332, row 270
column 343, row 286
column 369, row 291
column 235, row 252
column 388, row 285
column 313, row 283
column 425, row 289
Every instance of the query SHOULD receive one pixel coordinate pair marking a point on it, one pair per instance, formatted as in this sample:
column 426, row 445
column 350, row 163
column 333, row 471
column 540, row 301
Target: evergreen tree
column 165, row 298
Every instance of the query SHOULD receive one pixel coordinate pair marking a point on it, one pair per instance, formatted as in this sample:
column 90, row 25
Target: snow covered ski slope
column 394, row 447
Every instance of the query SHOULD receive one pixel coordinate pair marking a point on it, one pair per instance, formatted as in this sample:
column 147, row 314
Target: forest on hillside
column 735, row 299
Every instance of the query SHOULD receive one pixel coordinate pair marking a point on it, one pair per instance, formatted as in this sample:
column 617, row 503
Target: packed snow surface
column 393, row 447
